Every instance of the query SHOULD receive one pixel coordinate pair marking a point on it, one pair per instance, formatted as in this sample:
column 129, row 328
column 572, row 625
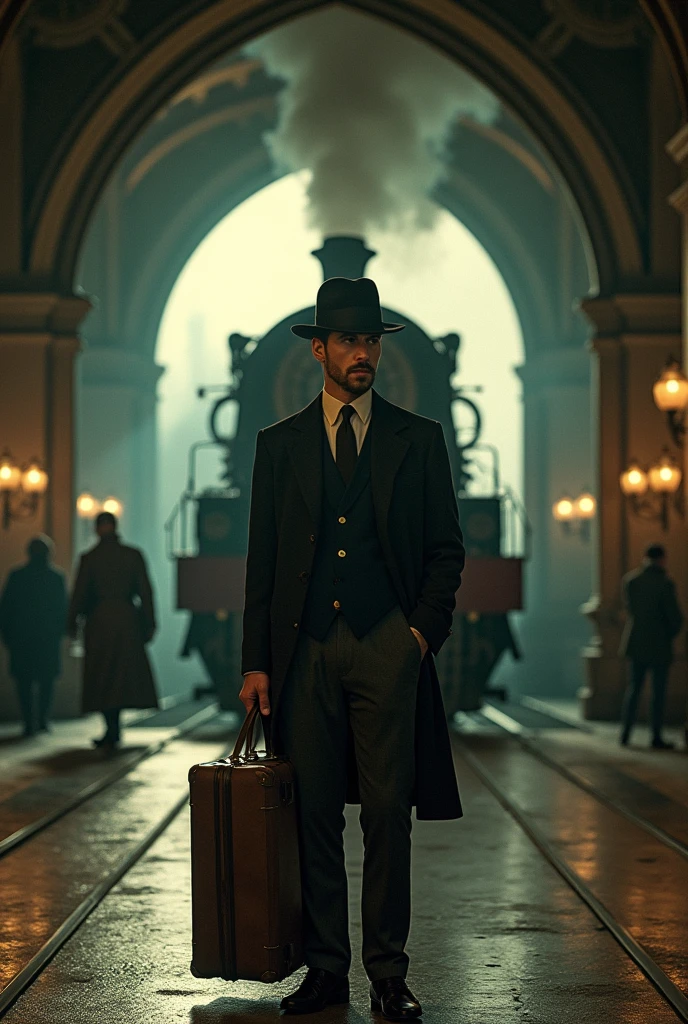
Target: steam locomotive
column 275, row 376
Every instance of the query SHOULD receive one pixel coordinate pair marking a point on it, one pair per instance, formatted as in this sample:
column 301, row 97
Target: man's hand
column 421, row 640
column 256, row 688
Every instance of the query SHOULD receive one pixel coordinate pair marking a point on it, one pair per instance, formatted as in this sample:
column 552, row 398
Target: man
column 354, row 557
column 654, row 619
column 33, row 609
column 113, row 594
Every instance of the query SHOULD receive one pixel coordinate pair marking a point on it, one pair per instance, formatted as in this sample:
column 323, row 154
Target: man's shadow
column 248, row 1011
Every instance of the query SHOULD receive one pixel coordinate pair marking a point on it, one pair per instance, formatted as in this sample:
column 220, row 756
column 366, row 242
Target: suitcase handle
column 245, row 739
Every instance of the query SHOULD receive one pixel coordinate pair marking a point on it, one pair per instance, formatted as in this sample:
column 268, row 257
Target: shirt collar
column 363, row 406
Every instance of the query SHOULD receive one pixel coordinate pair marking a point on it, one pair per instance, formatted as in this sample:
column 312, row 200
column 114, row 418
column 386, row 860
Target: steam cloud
column 368, row 110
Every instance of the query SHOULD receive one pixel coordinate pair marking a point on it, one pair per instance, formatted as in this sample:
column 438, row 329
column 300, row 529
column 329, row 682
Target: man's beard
column 348, row 381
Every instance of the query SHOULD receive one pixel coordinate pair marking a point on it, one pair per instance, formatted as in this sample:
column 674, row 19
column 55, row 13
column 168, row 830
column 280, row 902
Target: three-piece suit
column 337, row 573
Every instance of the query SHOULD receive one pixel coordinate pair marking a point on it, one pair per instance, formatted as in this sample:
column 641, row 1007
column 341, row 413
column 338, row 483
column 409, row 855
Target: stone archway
column 513, row 75
column 149, row 73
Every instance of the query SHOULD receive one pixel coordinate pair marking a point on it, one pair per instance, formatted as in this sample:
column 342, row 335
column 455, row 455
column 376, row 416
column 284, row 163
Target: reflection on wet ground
column 497, row 935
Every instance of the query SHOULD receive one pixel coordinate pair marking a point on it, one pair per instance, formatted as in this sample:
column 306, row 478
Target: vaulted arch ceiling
column 501, row 43
column 204, row 154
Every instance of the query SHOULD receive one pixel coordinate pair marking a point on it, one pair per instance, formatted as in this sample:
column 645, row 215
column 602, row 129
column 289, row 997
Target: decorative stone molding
column 607, row 24
column 64, row 25
column 22, row 312
column 633, row 313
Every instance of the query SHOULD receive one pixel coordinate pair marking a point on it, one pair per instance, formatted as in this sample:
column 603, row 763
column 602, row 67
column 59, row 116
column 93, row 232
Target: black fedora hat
column 346, row 305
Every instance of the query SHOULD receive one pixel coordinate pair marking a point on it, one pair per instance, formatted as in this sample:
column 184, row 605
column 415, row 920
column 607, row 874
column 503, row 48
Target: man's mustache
column 362, row 366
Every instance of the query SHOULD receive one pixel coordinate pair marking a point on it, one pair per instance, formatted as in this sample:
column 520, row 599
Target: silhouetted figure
column 113, row 594
column 33, row 609
column 654, row 619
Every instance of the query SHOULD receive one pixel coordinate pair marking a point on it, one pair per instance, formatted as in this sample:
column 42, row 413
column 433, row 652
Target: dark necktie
column 346, row 450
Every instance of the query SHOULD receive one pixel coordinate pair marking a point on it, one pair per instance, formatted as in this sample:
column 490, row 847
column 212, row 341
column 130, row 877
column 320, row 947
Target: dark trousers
column 112, row 724
column 35, row 713
column 638, row 671
column 369, row 685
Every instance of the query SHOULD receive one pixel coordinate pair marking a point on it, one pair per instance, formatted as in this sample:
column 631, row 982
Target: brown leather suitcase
column 245, row 874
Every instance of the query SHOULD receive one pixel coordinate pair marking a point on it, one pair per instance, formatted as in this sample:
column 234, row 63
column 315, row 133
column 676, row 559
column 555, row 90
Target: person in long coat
column 33, row 609
column 354, row 557
column 113, row 595
column 654, row 619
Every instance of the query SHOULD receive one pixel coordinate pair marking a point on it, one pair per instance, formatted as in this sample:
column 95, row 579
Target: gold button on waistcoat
column 337, row 604
column 341, row 553
column 342, row 519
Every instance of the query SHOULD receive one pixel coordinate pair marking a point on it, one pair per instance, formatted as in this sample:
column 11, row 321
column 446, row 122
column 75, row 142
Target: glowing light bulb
column 634, row 480
column 665, row 476
column 10, row 474
column 34, row 479
column 87, row 506
column 586, row 505
column 670, row 390
column 113, row 506
column 563, row 510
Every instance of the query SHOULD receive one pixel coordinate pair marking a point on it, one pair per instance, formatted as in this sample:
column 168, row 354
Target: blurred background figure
column 33, row 612
column 114, row 597
column 654, row 619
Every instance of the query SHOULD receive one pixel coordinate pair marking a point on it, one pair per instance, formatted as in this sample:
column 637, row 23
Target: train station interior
column 177, row 179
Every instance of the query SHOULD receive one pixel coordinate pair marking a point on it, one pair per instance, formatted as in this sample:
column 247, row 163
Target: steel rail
column 21, row 835
column 515, row 730
column 21, row 981
column 28, row 974
column 637, row 952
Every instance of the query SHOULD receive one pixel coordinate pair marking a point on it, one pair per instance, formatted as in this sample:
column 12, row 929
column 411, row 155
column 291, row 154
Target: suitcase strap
column 245, row 746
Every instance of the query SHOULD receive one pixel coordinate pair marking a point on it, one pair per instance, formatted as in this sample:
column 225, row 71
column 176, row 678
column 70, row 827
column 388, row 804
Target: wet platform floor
column 498, row 935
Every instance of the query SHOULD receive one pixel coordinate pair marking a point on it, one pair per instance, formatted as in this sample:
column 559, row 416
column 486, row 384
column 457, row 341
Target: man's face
column 350, row 360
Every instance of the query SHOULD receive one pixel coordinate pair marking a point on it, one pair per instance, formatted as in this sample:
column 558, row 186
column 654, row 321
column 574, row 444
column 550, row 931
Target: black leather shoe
column 106, row 744
column 660, row 744
column 317, row 990
column 394, row 1000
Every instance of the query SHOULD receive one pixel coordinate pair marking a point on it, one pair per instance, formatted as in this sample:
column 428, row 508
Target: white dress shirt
column 332, row 415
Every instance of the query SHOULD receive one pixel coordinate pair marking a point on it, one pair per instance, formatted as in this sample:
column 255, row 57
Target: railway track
column 513, row 729
column 629, row 938
column 15, row 844
column 477, row 760
column 21, row 835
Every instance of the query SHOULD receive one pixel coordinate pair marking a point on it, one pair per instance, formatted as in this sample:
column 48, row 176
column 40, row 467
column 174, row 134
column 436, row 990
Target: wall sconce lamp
column 88, row 507
column 20, row 488
column 670, row 392
column 652, row 492
column 574, row 514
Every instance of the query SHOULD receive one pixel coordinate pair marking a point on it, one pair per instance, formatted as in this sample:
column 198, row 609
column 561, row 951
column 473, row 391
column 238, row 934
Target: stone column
column 38, row 343
column 116, row 452
column 635, row 334
column 557, row 460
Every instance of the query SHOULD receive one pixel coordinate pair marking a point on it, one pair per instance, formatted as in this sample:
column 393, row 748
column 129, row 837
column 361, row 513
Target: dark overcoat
column 33, row 617
column 418, row 527
column 113, row 593
column 654, row 615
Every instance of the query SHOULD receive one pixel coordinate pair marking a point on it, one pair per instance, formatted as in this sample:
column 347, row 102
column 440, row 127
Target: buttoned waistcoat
column 418, row 527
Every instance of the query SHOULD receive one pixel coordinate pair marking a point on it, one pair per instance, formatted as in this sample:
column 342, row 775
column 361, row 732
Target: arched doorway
column 546, row 269
column 595, row 174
